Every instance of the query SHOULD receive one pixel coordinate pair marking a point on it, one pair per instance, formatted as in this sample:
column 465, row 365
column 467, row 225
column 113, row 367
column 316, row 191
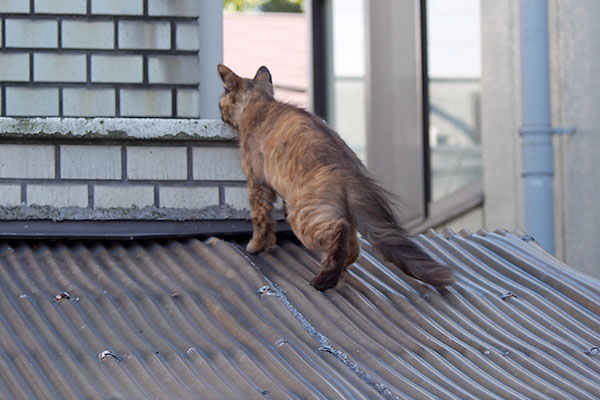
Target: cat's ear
column 230, row 80
column 263, row 74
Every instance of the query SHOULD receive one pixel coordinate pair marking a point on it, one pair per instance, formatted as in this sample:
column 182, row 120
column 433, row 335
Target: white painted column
column 210, row 23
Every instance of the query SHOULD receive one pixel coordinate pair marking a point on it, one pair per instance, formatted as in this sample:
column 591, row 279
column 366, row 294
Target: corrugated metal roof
column 191, row 319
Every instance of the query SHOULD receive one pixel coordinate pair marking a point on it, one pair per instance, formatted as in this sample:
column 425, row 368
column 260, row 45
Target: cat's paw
column 265, row 244
column 254, row 246
column 324, row 281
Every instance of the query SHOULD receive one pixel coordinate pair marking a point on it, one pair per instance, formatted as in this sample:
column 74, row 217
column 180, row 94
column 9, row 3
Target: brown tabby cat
column 328, row 192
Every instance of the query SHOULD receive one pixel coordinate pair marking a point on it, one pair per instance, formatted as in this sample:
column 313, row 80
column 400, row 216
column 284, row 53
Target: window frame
column 397, row 114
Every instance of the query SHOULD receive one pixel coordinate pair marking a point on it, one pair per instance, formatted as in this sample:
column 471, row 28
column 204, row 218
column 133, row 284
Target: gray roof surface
column 183, row 318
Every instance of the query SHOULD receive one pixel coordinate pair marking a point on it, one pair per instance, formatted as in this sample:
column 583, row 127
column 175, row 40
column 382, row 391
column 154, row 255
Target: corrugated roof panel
column 191, row 319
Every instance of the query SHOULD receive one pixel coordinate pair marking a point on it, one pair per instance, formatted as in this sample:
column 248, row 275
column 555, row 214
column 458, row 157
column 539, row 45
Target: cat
column 328, row 193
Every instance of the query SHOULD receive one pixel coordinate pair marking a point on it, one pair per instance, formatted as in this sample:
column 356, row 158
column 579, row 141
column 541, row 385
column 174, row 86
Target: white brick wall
column 186, row 36
column 88, row 102
column 187, row 103
column 108, row 196
column 60, row 6
column 29, row 33
column 214, row 163
column 14, row 67
column 237, row 197
column 59, row 67
column 140, row 103
column 188, row 197
column 173, row 69
column 24, row 101
column 90, row 162
column 88, row 34
column 128, row 170
column 26, row 161
column 14, row 6
column 118, row 7
column 174, row 7
column 159, row 64
column 58, row 195
column 156, row 162
column 10, row 195
column 144, row 35
column 108, row 68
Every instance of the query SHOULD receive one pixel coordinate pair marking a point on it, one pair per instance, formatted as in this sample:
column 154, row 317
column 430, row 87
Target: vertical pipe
column 536, row 131
column 322, row 77
column 210, row 34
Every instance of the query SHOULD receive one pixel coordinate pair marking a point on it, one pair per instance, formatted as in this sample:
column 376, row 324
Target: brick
column 156, row 162
column 146, row 103
column 48, row 67
column 217, row 163
column 58, row 195
column 90, row 162
column 144, row 35
column 31, row 33
column 108, row 196
column 14, row 6
column 88, row 102
column 88, row 34
column 38, row 102
column 183, row 8
column 60, row 6
column 117, row 7
column 173, row 69
column 26, row 161
column 15, row 67
column 117, row 69
column 237, row 197
column 187, row 103
column 10, row 195
column 188, row 197
column 186, row 36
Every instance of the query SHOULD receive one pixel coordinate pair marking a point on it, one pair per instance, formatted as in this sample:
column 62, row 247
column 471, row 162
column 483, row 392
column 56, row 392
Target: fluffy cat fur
column 328, row 193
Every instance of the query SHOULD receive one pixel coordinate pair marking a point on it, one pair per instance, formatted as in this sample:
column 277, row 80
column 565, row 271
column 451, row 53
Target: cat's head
column 239, row 92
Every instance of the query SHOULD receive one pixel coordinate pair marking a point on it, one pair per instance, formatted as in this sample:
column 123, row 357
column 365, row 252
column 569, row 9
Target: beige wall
column 575, row 84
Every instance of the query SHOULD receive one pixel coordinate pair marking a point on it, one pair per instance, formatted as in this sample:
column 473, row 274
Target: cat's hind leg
column 320, row 222
column 333, row 237
column 353, row 249
column 261, row 199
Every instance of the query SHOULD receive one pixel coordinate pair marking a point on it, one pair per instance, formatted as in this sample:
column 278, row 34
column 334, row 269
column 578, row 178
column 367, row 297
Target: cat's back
column 299, row 143
column 290, row 125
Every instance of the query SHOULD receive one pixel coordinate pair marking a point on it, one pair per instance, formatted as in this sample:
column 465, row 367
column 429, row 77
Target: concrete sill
column 115, row 128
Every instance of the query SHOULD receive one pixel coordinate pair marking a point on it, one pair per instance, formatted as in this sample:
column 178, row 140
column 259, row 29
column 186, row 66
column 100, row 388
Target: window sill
column 453, row 206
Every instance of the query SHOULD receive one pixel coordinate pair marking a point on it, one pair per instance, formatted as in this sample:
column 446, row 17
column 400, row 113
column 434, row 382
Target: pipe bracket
column 541, row 129
column 569, row 130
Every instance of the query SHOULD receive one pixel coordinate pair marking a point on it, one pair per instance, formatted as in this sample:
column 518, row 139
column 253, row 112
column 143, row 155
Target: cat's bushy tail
column 370, row 206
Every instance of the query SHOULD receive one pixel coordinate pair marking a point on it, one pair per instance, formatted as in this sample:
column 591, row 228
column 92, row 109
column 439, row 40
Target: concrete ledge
column 116, row 128
column 149, row 213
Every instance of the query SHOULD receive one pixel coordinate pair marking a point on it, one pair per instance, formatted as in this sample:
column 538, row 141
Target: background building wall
column 500, row 115
column 576, row 96
column 575, row 91
column 135, row 58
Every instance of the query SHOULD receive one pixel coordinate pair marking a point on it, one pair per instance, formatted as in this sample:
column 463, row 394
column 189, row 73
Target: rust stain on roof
column 195, row 319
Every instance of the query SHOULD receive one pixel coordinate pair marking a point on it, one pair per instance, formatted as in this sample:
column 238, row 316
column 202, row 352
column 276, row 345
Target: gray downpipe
column 536, row 131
